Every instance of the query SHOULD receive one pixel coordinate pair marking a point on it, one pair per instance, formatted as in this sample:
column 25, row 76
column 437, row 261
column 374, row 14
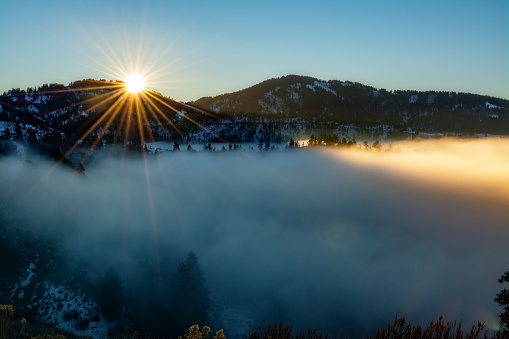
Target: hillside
column 88, row 110
column 345, row 102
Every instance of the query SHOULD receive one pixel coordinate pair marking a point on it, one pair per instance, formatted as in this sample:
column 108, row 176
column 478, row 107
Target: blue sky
column 190, row 49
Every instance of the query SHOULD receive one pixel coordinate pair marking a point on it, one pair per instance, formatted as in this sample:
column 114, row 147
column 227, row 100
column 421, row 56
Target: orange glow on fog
column 472, row 167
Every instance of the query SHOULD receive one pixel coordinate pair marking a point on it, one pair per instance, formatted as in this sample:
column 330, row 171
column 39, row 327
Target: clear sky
column 191, row 48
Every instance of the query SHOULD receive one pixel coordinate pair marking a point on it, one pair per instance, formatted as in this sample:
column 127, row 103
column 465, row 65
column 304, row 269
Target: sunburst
column 130, row 109
column 134, row 83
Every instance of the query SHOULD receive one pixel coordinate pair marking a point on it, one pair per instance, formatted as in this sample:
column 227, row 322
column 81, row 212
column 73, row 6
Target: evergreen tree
column 503, row 300
column 189, row 297
column 7, row 147
column 57, row 155
column 110, row 295
column 81, row 169
column 312, row 140
column 18, row 131
column 377, row 146
column 32, row 137
column 7, row 133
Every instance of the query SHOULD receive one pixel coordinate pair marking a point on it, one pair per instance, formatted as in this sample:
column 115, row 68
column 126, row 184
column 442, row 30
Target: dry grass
column 280, row 332
column 195, row 333
column 11, row 328
column 435, row 330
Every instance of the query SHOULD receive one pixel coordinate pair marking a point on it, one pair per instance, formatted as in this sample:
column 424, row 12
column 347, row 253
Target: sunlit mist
column 467, row 167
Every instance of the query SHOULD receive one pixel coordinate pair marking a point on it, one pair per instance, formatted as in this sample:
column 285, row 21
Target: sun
column 134, row 83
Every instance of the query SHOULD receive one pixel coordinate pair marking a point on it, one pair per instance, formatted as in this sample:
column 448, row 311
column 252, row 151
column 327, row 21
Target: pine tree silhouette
column 110, row 295
column 189, row 297
column 503, row 300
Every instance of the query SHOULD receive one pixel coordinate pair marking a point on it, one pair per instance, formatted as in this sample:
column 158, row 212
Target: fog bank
column 333, row 240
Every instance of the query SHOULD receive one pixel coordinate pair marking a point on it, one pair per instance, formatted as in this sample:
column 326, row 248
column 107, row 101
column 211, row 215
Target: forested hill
column 348, row 102
column 91, row 110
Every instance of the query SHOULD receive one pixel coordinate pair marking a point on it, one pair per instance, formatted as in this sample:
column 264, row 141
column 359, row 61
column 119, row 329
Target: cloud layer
column 335, row 240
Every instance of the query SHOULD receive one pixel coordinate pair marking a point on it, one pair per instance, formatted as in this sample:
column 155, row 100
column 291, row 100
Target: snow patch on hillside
column 32, row 109
column 30, row 272
column 491, row 106
column 71, row 311
column 432, row 98
column 273, row 104
column 293, row 93
column 223, row 105
column 321, row 85
column 41, row 99
column 413, row 99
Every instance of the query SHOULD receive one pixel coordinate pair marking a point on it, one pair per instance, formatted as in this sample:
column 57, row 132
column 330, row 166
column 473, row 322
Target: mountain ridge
column 351, row 102
column 307, row 77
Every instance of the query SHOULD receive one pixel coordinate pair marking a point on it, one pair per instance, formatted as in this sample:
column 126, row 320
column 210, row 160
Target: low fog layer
column 332, row 240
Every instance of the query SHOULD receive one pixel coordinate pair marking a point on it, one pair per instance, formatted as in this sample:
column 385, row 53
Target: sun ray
column 108, row 71
column 109, row 96
column 94, row 126
column 128, row 54
column 128, row 126
column 186, row 117
column 115, row 109
column 202, row 111
column 158, row 110
column 140, row 46
column 143, row 118
column 68, row 90
column 160, row 123
column 138, row 118
column 121, row 72
column 117, row 63
column 123, row 119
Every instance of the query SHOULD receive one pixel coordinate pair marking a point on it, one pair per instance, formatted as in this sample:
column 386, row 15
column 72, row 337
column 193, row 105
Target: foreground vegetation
column 437, row 329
